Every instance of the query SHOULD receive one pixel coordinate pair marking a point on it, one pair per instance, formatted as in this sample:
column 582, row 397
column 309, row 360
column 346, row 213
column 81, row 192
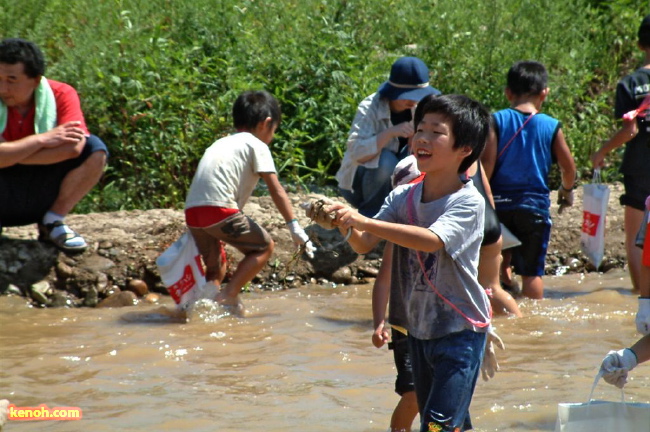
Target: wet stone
column 40, row 291
column 102, row 282
column 92, row 297
column 138, row 287
column 61, row 299
column 151, row 298
column 63, row 270
column 121, row 299
column 342, row 275
column 13, row 289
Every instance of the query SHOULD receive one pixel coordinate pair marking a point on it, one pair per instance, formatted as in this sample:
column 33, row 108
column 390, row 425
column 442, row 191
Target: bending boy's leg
column 488, row 276
column 213, row 253
column 248, row 237
column 247, row 269
column 445, row 372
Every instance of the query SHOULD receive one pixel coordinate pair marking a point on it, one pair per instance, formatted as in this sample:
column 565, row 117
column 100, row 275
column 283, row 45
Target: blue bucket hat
column 409, row 79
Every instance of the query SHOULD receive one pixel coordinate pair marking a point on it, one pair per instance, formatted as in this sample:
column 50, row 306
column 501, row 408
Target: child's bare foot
column 232, row 305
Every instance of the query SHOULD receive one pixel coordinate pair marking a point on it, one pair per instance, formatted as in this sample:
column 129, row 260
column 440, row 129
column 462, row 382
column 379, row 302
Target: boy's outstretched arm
column 281, row 201
column 279, row 195
column 366, row 232
column 380, row 295
column 627, row 131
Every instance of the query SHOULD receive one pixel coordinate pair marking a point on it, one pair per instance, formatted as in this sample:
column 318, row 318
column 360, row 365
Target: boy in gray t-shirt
column 437, row 227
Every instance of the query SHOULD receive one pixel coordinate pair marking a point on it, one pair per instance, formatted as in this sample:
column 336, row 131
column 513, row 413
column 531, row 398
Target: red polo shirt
column 68, row 108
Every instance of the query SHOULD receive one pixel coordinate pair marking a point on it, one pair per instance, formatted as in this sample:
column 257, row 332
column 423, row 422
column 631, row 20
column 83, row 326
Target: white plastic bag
column 509, row 239
column 602, row 415
column 181, row 271
column 592, row 238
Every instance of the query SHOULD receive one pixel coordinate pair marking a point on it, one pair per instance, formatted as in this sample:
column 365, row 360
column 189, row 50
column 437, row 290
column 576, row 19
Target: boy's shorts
column 637, row 188
column 28, row 191
column 534, row 232
column 400, row 347
column 237, row 230
column 445, row 371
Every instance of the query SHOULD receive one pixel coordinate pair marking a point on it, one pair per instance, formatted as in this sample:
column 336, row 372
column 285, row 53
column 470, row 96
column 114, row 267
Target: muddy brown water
column 302, row 360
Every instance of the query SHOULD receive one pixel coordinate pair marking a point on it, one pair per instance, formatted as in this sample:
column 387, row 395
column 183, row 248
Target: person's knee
column 96, row 161
column 268, row 251
column 387, row 163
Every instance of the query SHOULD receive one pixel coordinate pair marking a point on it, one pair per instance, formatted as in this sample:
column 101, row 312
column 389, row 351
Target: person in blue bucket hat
column 380, row 134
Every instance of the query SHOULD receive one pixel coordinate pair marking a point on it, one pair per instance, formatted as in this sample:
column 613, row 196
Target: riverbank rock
column 124, row 245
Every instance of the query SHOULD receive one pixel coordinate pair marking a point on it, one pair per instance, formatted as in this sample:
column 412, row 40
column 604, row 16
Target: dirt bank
column 124, row 246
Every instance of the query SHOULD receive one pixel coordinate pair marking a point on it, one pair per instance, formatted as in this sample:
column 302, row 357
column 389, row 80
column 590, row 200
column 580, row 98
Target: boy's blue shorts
column 637, row 188
column 534, row 232
column 445, row 371
column 28, row 191
column 400, row 347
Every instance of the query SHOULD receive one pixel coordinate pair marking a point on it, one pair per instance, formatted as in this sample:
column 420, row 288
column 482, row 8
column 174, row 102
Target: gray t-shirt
column 458, row 220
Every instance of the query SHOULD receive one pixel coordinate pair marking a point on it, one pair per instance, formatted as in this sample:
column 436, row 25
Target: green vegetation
column 158, row 77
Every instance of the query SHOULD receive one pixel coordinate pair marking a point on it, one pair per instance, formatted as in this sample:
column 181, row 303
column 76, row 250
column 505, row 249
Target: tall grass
column 158, row 77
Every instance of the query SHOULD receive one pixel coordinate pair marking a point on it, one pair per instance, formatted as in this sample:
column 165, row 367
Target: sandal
column 67, row 241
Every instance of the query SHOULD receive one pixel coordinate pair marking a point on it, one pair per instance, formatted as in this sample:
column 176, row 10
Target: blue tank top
column 520, row 177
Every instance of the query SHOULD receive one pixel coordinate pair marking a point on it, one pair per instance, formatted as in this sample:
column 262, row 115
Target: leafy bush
column 158, row 77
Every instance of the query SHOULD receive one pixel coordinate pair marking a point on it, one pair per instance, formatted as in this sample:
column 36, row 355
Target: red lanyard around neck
column 411, row 210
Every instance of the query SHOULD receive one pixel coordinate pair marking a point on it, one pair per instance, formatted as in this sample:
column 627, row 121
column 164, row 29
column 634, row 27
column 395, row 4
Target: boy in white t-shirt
column 224, row 181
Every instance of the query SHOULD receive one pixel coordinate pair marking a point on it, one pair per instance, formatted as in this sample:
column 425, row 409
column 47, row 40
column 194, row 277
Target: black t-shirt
column 630, row 91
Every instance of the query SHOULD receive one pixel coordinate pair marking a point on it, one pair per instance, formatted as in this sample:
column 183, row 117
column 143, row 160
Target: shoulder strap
column 515, row 135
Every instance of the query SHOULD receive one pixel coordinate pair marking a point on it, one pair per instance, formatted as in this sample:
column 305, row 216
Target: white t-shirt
column 228, row 172
column 458, row 220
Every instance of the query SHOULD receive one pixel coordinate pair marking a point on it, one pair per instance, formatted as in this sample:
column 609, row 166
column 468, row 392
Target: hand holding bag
column 181, row 271
column 592, row 237
column 602, row 415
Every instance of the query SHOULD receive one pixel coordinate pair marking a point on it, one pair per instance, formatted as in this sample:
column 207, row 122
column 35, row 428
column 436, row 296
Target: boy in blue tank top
column 517, row 160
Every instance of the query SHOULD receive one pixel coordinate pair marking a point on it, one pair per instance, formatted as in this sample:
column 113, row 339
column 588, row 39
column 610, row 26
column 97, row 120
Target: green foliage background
column 158, row 77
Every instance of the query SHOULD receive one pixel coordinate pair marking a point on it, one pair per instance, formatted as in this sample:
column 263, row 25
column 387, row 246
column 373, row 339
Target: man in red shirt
column 48, row 159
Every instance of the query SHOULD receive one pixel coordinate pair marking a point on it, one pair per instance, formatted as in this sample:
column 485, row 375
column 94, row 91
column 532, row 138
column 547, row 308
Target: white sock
column 51, row 217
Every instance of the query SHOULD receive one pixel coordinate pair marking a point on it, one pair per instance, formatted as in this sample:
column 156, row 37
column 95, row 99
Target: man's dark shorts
column 637, row 188
column 28, row 191
column 400, row 347
column 534, row 232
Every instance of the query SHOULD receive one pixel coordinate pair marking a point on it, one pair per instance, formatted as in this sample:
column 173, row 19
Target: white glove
column 490, row 366
column 300, row 237
column 616, row 365
column 643, row 316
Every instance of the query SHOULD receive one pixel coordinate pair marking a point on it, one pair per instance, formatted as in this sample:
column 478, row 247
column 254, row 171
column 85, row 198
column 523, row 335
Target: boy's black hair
column 527, row 78
column 644, row 32
column 470, row 122
column 15, row 50
column 253, row 107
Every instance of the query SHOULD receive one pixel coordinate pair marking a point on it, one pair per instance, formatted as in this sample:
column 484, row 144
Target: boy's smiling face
column 433, row 145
